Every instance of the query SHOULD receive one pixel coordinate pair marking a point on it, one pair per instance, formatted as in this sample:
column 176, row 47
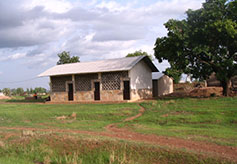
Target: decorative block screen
column 83, row 82
column 111, row 80
column 59, row 83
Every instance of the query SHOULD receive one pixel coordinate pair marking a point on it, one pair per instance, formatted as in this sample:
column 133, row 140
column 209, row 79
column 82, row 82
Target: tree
column 28, row 91
column 20, row 91
column 40, row 90
column 6, row 91
column 31, row 91
column 139, row 53
column 174, row 73
column 203, row 43
column 64, row 58
column 13, row 92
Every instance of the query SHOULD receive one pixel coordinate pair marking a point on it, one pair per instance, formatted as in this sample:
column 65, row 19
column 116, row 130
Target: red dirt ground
column 4, row 98
column 113, row 131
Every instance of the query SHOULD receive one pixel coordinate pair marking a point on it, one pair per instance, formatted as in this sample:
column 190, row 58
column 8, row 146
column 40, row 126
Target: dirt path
column 201, row 147
column 141, row 111
column 122, row 133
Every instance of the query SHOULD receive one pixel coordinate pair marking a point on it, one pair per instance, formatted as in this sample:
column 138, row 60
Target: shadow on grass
column 25, row 101
column 171, row 98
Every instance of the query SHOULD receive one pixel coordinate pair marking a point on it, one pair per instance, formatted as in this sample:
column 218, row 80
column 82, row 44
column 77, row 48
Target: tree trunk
column 226, row 85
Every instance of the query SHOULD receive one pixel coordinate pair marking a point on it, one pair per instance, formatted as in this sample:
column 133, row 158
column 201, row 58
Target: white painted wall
column 140, row 76
column 165, row 85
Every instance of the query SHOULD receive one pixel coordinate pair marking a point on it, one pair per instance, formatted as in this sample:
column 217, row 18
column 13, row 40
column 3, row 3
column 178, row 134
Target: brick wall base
column 105, row 95
column 59, row 96
column 111, row 95
column 84, row 96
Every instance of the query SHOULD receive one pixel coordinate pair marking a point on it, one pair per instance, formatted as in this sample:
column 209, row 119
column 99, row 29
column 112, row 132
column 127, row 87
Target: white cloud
column 58, row 6
column 17, row 56
column 33, row 32
column 113, row 6
column 95, row 30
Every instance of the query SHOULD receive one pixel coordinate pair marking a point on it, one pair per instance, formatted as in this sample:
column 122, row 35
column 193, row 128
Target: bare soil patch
column 5, row 97
column 206, row 92
column 199, row 92
column 141, row 111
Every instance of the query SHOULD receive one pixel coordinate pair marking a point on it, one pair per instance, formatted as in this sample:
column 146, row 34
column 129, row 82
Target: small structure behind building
column 234, row 83
column 212, row 81
column 161, row 84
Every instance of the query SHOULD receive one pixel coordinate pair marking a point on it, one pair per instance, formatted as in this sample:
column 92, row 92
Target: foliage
column 36, row 90
column 6, row 91
column 17, row 92
column 174, row 73
column 40, row 90
column 139, row 53
column 204, row 42
column 65, row 58
column 13, row 92
column 20, row 91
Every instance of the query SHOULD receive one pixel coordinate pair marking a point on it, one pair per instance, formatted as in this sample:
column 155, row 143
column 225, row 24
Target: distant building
column 234, row 83
column 120, row 79
column 212, row 81
column 1, row 94
column 162, row 84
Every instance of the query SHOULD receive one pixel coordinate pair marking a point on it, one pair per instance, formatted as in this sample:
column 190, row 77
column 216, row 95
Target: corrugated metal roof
column 157, row 75
column 119, row 64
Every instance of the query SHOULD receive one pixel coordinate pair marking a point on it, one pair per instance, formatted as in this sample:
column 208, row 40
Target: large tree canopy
column 204, row 42
column 64, row 58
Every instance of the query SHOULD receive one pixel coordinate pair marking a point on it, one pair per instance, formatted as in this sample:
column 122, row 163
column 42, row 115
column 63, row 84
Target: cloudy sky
column 33, row 32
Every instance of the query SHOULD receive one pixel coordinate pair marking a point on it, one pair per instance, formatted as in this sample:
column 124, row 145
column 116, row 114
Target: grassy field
column 89, row 117
column 68, row 149
column 210, row 120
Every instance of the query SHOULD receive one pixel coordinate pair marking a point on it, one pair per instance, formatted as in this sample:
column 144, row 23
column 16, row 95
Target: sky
column 33, row 32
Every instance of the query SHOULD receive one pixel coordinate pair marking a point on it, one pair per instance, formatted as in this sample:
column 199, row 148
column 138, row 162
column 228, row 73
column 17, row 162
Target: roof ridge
column 116, row 64
column 101, row 60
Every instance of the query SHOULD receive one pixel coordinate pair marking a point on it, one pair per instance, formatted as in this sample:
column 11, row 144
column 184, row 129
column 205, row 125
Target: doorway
column 97, row 91
column 155, row 88
column 70, row 92
column 126, row 90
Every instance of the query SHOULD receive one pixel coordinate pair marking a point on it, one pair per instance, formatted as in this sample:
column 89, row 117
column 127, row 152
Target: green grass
column 89, row 116
column 212, row 120
column 56, row 149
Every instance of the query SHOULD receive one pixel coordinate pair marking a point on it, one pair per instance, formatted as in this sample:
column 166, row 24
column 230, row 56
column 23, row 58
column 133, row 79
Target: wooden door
column 126, row 91
column 97, row 91
column 70, row 92
column 155, row 88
